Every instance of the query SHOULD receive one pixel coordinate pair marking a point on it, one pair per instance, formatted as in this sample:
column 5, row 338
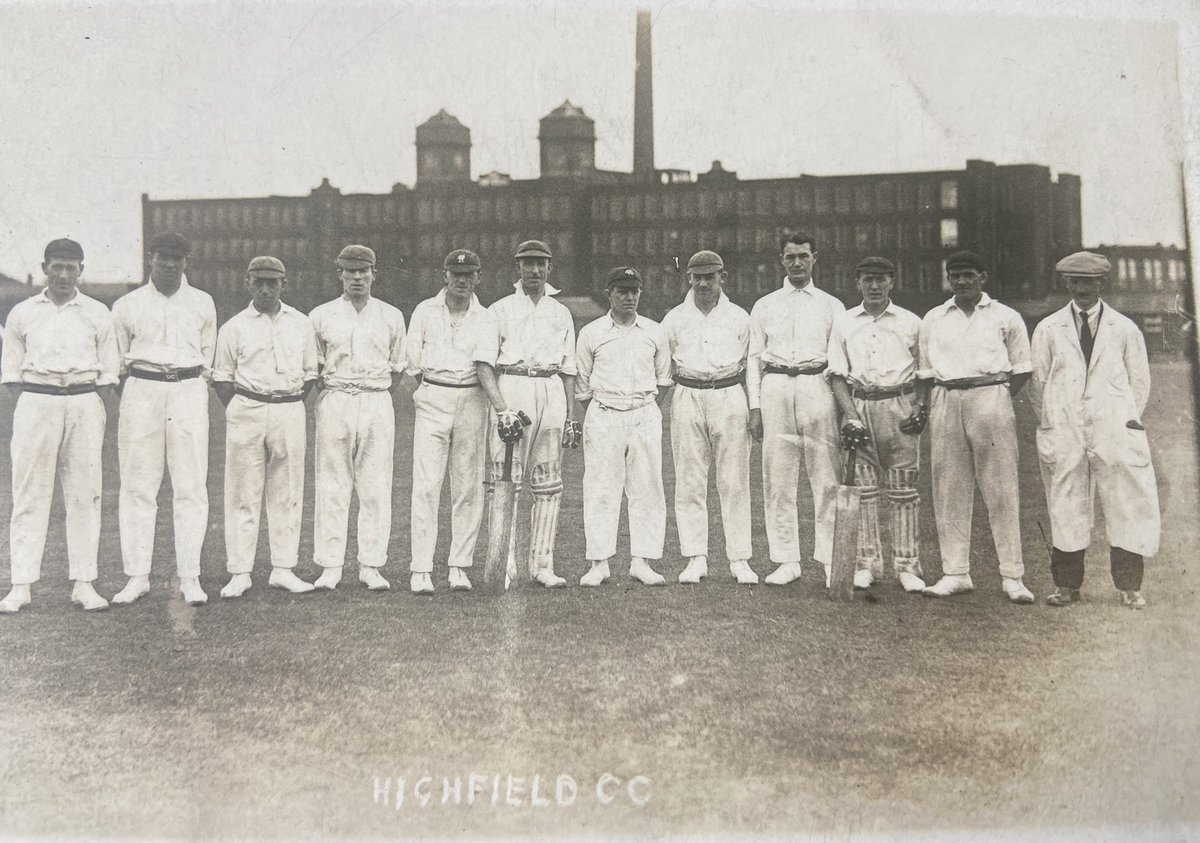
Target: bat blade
column 500, row 522
column 845, row 543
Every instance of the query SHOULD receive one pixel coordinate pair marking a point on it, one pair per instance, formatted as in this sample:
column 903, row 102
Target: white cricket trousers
column 450, row 430
column 973, row 439
column 67, row 432
column 356, row 441
column 264, row 448
column 709, row 426
column 163, row 424
column 799, row 419
column 622, row 453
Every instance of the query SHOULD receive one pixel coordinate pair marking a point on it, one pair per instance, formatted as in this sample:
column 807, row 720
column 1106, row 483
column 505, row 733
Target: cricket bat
column 500, row 523
column 845, row 534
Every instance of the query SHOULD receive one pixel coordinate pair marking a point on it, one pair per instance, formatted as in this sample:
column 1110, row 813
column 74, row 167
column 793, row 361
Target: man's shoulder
column 91, row 306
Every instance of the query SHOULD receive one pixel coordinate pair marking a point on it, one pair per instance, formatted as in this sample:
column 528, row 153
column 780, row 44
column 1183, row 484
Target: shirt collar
column 890, row 310
column 284, row 307
column 1092, row 311
column 474, row 305
column 807, row 288
column 42, row 296
column 637, row 321
column 551, row 290
column 984, row 301
column 690, row 298
column 183, row 285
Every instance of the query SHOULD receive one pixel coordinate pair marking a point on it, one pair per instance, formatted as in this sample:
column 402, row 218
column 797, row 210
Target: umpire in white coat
column 1091, row 381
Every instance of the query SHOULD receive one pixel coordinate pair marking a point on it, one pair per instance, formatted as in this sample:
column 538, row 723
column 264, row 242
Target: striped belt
column 879, row 393
column 792, row 371
column 972, row 383
column 47, row 389
column 528, row 371
column 432, row 382
column 717, row 383
column 169, row 377
column 269, row 399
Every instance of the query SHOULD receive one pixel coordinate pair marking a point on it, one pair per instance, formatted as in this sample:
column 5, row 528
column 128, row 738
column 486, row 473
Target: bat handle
column 508, row 458
column 848, row 471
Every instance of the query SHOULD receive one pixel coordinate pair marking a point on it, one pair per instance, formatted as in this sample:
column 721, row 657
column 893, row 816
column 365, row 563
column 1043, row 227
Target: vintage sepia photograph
column 599, row 420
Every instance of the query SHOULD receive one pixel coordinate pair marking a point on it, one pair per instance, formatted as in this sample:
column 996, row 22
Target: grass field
column 748, row 710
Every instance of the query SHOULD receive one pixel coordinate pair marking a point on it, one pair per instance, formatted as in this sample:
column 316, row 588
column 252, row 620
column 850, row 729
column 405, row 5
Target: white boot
column 329, row 579
column 950, row 584
column 863, row 578
column 549, row 579
column 192, row 593
column 238, row 585
column 696, row 570
column 83, row 594
column 741, row 570
column 1017, row 592
column 372, row 579
column 910, row 581
column 459, row 581
column 641, row 571
column 420, row 583
column 286, row 578
column 135, row 588
column 784, row 574
column 598, row 574
column 18, row 597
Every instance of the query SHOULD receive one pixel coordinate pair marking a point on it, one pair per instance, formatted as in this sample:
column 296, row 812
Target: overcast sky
column 103, row 102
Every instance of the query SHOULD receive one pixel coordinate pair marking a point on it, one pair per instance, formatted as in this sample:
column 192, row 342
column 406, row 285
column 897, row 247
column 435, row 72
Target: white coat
column 1084, row 442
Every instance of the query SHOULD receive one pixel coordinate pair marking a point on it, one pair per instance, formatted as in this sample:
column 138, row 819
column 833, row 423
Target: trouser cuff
column 1066, row 568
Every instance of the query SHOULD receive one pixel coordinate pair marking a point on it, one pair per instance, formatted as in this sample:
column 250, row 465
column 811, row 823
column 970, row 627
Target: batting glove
column 508, row 425
column 854, row 435
column 915, row 423
column 572, row 434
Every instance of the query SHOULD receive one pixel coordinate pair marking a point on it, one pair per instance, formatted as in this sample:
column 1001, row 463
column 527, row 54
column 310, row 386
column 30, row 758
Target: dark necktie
column 1086, row 339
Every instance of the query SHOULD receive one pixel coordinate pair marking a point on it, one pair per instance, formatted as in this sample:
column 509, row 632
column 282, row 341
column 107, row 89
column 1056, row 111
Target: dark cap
column 461, row 260
column 533, row 249
column 356, row 257
column 1084, row 265
column 875, row 266
column 965, row 260
column 624, row 276
column 705, row 259
column 64, row 248
column 170, row 243
column 265, row 266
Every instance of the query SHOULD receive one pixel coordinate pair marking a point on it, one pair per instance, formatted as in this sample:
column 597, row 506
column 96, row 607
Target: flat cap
column 64, row 248
column 461, row 260
column 533, row 249
column 875, row 266
column 965, row 260
column 170, row 243
column 705, row 259
column 265, row 266
column 1087, row 264
column 355, row 257
column 624, row 276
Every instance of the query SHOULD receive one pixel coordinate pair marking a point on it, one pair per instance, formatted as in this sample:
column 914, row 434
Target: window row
column 237, row 248
column 213, row 215
column 1149, row 273
column 503, row 209
column 883, row 196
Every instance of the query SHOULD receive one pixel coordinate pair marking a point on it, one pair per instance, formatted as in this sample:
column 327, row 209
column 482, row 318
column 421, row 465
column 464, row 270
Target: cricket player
column 873, row 358
column 792, row 411
column 360, row 349
column 451, row 421
column 525, row 360
column 709, row 339
column 266, row 364
column 166, row 331
column 1091, row 381
column 624, row 364
column 59, row 355
column 976, row 352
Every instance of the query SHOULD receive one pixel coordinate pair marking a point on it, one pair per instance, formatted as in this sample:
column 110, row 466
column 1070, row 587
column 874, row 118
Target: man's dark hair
column 800, row 238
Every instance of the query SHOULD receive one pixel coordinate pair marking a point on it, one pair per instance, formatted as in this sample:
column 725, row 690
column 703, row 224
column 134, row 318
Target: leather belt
column 972, row 383
column 432, row 382
column 717, row 383
column 879, row 393
column 527, row 371
column 47, row 389
column 269, row 399
column 169, row 377
column 792, row 371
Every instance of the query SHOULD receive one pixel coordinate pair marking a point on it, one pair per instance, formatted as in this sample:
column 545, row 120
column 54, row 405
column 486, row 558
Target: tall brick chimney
column 643, row 100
